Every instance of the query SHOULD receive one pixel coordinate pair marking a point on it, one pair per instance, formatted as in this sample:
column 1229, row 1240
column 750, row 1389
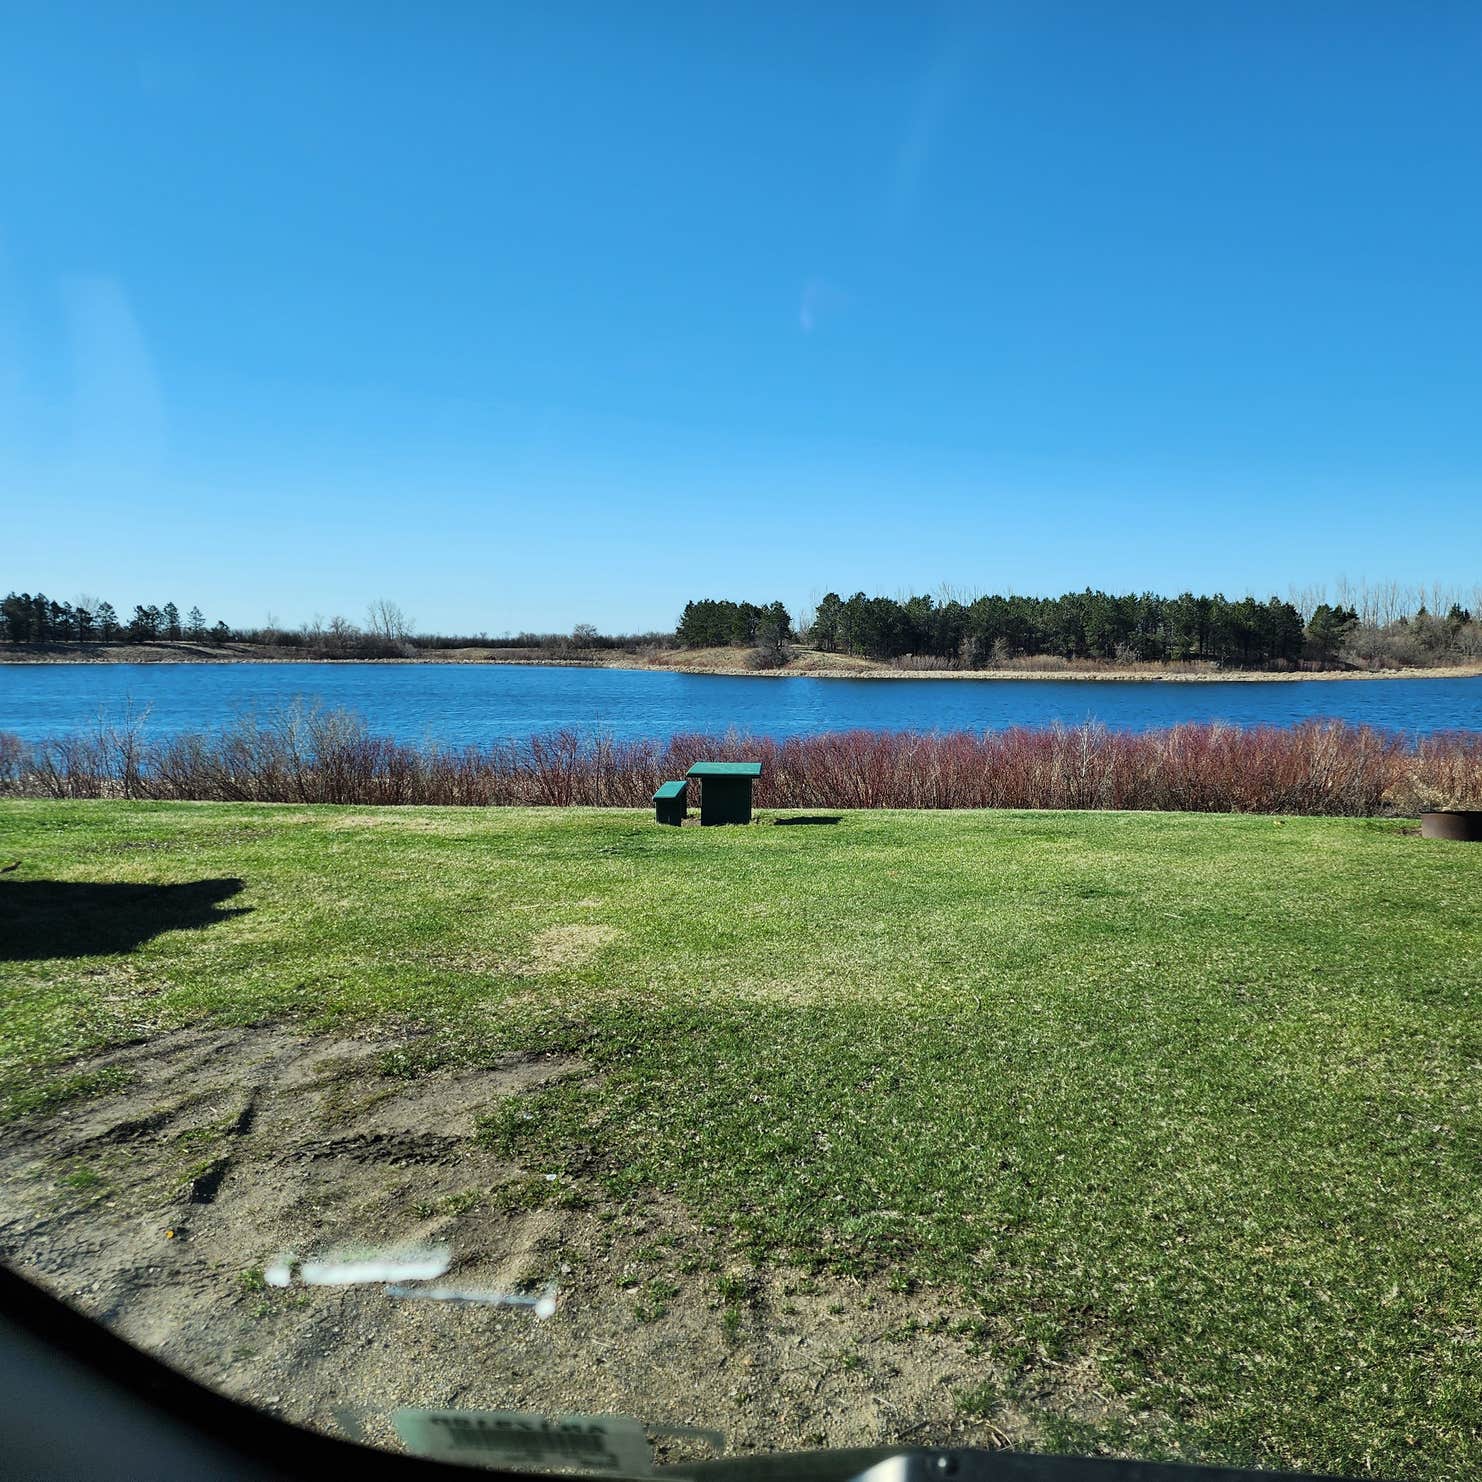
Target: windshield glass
column 736, row 730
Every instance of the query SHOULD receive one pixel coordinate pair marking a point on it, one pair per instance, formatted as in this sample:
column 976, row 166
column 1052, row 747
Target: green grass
column 1193, row 1099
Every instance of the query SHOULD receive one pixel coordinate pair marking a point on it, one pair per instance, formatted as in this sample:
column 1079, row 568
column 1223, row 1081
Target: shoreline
column 811, row 666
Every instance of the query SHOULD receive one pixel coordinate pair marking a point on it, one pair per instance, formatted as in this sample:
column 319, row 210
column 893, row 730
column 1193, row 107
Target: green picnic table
column 726, row 795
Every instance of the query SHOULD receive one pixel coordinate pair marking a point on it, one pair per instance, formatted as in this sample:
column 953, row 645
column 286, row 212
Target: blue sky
column 531, row 315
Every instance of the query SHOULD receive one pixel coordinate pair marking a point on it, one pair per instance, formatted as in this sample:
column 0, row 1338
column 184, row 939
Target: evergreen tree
column 170, row 621
column 773, row 632
column 195, row 625
column 687, row 629
column 824, row 632
column 15, row 616
column 144, row 626
column 107, row 622
column 1329, row 626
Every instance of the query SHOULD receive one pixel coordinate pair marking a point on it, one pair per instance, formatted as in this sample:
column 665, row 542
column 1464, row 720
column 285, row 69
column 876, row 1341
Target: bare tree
column 807, row 611
column 1443, row 597
column 339, row 636
column 385, row 619
column 1387, row 603
column 1307, row 599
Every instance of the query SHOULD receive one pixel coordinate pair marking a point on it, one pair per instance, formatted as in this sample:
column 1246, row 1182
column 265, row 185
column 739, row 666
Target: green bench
column 726, row 794
column 670, row 802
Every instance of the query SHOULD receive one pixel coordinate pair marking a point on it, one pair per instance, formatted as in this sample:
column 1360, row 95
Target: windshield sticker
column 597, row 1445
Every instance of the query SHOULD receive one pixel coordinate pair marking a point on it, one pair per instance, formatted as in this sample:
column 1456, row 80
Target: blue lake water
column 458, row 703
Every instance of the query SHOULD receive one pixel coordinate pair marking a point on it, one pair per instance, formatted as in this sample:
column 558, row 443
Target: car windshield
column 751, row 729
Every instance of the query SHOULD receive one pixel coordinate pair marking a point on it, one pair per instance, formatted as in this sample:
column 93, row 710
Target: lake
column 476, row 703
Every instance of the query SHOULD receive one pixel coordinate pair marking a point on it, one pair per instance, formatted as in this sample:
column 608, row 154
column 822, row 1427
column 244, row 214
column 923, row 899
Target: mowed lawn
column 1191, row 1102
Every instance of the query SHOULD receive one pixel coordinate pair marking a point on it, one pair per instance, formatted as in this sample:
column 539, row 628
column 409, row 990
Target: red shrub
column 326, row 757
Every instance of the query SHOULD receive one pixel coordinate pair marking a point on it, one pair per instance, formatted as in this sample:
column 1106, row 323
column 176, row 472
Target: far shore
column 806, row 664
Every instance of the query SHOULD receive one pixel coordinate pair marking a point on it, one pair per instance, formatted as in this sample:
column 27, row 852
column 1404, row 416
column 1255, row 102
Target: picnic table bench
column 671, row 802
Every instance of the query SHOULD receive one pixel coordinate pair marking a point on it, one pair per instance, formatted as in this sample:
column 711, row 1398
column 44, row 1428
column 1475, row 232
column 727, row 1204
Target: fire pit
column 1463, row 825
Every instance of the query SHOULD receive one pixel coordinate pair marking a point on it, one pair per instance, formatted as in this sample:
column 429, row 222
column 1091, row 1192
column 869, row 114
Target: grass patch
column 465, row 1201
column 657, row 1295
column 1186, row 1101
column 733, row 1288
column 50, row 1094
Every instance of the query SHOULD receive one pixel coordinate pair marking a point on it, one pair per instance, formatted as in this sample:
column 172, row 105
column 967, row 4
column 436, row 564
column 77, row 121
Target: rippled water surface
column 474, row 703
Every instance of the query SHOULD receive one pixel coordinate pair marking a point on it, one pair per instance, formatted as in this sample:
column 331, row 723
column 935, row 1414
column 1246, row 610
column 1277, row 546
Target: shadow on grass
column 63, row 918
column 810, row 818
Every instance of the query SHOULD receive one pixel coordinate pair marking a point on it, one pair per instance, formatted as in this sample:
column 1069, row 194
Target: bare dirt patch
column 569, row 946
column 156, row 1210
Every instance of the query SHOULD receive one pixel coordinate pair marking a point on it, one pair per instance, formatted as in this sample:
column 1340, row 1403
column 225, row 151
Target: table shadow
column 72, row 918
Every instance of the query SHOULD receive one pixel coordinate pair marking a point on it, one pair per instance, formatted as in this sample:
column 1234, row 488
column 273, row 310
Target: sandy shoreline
column 807, row 666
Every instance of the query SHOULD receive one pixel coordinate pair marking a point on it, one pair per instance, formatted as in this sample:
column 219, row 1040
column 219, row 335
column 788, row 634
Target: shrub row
column 302, row 756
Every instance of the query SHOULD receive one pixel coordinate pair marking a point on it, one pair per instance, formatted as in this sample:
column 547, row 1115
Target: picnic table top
column 725, row 769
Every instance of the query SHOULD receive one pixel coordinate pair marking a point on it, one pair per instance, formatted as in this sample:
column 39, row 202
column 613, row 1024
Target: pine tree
column 144, row 626
column 107, row 622
column 1331, row 625
column 16, row 612
column 824, row 632
column 773, row 630
column 195, row 625
column 170, row 619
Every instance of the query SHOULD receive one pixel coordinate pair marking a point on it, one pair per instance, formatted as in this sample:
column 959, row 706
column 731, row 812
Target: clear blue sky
column 529, row 315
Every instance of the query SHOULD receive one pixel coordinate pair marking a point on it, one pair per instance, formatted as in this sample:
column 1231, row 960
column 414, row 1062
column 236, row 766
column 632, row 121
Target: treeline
column 29, row 618
column 1090, row 625
column 711, row 624
column 302, row 756
column 582, row 639
column 36, row 618
column 1079, row 625
column 386, row 632
column 1371, row 629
